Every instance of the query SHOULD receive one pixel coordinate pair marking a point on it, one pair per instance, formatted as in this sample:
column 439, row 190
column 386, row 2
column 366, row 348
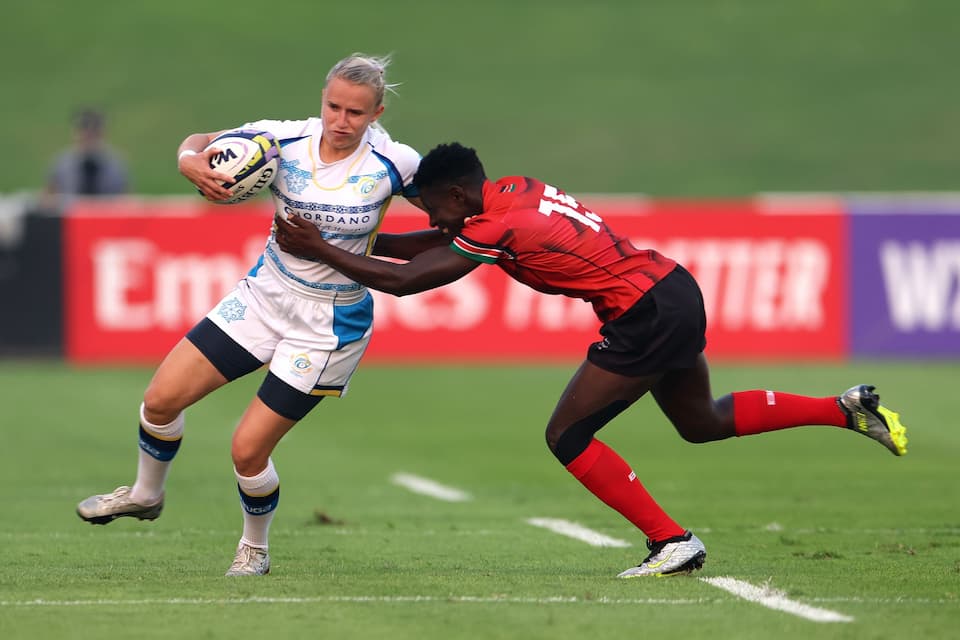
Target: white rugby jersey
column 346, row 199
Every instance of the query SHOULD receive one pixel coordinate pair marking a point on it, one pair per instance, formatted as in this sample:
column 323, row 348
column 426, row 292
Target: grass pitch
column 824, row 517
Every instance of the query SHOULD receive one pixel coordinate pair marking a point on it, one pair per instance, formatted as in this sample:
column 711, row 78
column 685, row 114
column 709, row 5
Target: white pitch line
column 774, row 599
column 427, row 487
column 39, row 602
column 578, row 532
column 453, row 599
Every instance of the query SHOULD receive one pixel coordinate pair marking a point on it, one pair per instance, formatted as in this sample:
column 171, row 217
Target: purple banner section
column 905, row 279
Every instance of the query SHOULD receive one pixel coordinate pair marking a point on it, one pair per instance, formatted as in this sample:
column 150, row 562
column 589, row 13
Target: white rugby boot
column 107, row 507
column 249, row 561
column 673, row 556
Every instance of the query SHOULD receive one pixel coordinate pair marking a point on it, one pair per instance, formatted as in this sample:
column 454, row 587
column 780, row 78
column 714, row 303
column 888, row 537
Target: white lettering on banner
column 467, row 303
column 119, row 267
column 137, row 288
column 459, row 306
column 919, row 281
column 524, row 308
column 771, row 284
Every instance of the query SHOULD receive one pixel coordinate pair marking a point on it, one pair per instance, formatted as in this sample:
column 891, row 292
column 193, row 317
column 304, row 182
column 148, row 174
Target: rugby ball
column 251, row 157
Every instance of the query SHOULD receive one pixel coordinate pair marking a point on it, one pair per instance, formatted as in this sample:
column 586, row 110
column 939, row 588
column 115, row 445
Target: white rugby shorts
column 313, row 341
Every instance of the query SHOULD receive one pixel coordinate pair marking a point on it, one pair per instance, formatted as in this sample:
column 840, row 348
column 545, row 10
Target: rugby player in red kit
column 652, row 333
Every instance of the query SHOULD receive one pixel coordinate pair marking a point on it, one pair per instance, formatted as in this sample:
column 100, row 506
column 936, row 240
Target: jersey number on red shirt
column 554, row 201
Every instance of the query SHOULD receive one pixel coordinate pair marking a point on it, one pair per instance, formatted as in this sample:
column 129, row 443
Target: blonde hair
column 360, row 68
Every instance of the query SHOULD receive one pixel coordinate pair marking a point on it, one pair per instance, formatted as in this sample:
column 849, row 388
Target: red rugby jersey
column 548, row 241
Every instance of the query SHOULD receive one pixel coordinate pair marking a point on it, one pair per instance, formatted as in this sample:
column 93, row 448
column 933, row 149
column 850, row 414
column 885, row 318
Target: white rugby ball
column 251, row 157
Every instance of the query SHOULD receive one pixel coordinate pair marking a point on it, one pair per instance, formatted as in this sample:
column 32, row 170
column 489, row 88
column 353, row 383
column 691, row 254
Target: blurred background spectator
column 90, row 166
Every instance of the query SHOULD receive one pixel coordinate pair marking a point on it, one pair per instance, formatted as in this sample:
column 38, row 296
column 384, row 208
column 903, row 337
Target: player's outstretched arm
column 428, row 270
column 405, row 246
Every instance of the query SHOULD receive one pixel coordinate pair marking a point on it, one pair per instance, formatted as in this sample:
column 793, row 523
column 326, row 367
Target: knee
column 552, row 435
column 160, row 406
column 708, row 423
column 568, row 443
column 704, row 429
column 247, row 460
column 696, row 434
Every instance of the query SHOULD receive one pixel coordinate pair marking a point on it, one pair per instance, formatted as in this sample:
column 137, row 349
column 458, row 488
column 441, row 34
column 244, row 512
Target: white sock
column 158, row 446
column 259, row 496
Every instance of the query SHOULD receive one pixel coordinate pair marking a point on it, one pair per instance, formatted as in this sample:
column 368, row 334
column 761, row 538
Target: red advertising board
column 140, row 273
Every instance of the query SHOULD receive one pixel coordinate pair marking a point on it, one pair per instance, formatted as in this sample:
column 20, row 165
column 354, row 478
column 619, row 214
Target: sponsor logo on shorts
column 300, row 364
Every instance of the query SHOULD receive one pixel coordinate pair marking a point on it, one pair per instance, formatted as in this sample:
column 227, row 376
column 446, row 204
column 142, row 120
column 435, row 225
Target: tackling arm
column 405, row 246
column 430, row 269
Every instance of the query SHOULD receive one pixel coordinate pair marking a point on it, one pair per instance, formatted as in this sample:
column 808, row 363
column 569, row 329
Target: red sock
column 611, row 479
column 761, row 411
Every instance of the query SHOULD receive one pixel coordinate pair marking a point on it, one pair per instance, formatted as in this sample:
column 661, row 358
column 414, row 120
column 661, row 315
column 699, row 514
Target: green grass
column 827, row 517
column 666, row 97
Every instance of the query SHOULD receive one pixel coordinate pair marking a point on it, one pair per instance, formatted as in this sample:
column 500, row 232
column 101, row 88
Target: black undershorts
column 664, row 330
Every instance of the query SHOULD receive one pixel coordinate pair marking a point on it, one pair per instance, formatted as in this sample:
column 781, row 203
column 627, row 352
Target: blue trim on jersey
column 329, row 235
column 351, row 321
column 379, row 175
column 255, row 268
column 287, row 141
column 324, row 286
column 396, row 182
column 331, row 208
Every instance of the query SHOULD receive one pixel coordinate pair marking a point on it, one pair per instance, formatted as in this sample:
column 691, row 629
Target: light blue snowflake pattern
column 295, row 177
column 232, row 310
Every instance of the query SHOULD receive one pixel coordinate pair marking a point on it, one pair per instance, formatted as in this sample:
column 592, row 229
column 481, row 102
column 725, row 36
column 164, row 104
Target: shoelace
column 246, row 556
column 117, row 494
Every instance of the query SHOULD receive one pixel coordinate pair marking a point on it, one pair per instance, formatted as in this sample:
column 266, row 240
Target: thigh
column 685, row 397
column 257, row 434
column 592, row 390
column 184, row 376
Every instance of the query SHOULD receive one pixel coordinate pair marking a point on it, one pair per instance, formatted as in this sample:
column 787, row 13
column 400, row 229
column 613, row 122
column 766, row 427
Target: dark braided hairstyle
column 448, row 164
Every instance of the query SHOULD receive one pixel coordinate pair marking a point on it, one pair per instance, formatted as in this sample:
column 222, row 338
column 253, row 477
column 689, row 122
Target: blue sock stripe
column 162, row 450
column 259, row 505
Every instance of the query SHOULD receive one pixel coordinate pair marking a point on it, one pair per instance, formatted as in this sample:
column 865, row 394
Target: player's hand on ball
column 210, row 183
column 297, row 236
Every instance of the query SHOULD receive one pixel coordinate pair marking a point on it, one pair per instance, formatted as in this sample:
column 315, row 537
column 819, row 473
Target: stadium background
column 841, row 114
column 715, row 102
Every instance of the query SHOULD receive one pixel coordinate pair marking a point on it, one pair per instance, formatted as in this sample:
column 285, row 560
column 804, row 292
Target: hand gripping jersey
column 548, row 241
column 346, row 199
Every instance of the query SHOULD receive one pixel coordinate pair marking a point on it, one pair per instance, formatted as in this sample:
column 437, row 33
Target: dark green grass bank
column 693, row 98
